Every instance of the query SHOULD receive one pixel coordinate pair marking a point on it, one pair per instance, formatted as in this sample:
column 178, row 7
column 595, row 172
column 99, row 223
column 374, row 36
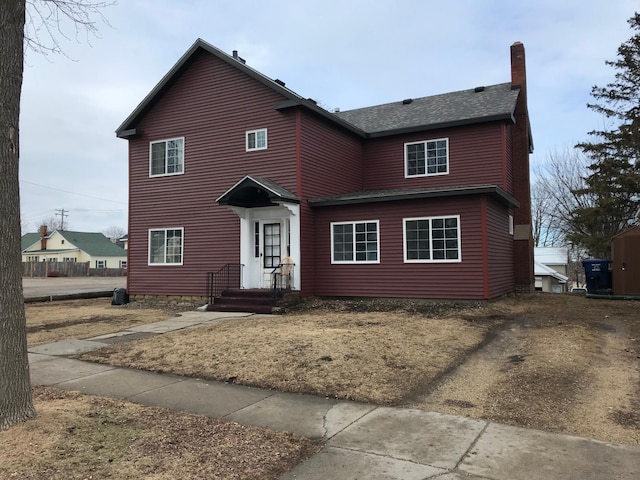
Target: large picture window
column 429, row 157
column 167, row 157
column 166, row 246
column 355, row 242
column 432, row 239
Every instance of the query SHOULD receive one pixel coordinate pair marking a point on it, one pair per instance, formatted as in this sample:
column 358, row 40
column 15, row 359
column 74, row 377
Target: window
column 355, row 242
column 69, row 259
column 123, row 264
column 167, row 157
column 434, row 239
column 256, row 239
column 101, row 264
column 165, row 246
column 430, row 157
column 256, row 140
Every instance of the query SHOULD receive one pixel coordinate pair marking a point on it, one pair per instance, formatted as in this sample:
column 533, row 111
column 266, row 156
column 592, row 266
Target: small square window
column 355, row 242
column 166, row 157
column 429, row 157
column 166, row 246
column 256, row 140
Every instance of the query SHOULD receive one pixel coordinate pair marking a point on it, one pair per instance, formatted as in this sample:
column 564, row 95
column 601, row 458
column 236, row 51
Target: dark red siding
column 331, row 163
column 392, row 277
column 499, row 249
column 211, row 105
column 476, row 157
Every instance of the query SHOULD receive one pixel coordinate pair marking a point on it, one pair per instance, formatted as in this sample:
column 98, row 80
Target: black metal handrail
column 229, row 276
column 281, row 279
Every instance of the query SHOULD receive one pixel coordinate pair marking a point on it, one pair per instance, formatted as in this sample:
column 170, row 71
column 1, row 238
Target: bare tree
column 46, row 20
column 15, row 387
column 114, row 233
column 556, row 193
column 16, row 404
column 52, row 223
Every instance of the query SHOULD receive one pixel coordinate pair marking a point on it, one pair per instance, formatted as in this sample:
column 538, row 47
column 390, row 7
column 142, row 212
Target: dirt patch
column 78, row 436
column 560, row 363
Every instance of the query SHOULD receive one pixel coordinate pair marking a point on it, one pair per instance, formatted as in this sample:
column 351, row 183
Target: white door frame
column 254, row 275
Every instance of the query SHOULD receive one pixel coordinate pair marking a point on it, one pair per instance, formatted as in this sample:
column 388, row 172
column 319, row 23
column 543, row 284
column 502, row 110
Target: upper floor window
column 432, row 239
column 167, row 157
column 355, row 242
column 256, row 139
column 165, row 246
column 429, row 157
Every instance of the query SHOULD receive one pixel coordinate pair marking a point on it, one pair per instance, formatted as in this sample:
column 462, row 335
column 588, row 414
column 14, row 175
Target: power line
column 72, row 193
column 62, row 214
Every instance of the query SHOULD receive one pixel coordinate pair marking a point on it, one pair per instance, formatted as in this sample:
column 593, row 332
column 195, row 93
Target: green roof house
column 68, row 246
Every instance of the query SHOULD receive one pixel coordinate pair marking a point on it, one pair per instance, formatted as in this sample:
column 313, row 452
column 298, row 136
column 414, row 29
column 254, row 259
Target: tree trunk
column 15, row 389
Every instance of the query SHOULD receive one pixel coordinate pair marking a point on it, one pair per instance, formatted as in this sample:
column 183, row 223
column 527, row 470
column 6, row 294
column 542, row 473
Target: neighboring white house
column 67, row 246
column 550, row 269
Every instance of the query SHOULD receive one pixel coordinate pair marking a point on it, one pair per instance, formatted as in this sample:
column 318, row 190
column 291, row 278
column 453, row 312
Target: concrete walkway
column 362, row 441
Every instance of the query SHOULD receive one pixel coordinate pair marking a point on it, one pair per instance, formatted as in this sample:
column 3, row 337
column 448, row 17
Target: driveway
column 69, row 286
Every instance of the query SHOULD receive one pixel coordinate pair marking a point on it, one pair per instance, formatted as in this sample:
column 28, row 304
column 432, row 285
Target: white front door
column 267, row 235
column 270, row 249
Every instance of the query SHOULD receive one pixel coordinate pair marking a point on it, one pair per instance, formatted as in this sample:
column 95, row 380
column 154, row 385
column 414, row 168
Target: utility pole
column 63, row 213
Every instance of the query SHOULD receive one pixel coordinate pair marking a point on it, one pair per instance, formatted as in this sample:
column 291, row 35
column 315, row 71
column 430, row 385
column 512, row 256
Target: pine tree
column 614, row 179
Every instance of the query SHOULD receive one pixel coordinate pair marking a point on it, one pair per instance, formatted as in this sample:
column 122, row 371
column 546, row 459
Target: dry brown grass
column 83, row 437
column 560, row 363
column 375, row 357
column 50, row 322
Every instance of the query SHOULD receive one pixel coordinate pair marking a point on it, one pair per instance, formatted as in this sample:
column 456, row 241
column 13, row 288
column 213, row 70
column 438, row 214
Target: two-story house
column 69, row 246
column 424, row 197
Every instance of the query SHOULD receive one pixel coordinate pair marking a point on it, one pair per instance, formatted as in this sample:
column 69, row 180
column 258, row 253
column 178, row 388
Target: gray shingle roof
column 389, row 195
column 496, row 102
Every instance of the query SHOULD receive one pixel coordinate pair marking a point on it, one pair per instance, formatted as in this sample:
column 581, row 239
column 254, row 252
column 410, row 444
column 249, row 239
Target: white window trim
column 101, row 262
column 406, row 163
column 439, row 260
column 246, row 141
column 151, row 264
column 166, row 140
column 354, row 261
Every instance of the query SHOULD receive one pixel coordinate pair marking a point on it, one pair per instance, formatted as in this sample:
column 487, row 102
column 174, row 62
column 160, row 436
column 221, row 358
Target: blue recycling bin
column 597, row 272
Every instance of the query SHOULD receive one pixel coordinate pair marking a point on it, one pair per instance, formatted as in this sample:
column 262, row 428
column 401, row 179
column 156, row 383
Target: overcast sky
column 344, row 54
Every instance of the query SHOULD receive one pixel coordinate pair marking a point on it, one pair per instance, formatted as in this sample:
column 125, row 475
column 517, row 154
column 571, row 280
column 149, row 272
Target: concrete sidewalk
column 362, row 441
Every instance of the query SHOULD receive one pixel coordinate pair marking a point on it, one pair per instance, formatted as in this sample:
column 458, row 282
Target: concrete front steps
column 245, row 300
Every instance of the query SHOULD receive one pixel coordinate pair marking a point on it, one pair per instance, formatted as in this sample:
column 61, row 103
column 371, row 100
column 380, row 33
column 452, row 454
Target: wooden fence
column 68, row 269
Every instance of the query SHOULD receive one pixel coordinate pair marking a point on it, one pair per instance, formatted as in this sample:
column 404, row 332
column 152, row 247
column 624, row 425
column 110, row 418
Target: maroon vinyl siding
column 392, row 277
column 475, row 158
column 211, row 105
column 331, row 163
column 499, row 250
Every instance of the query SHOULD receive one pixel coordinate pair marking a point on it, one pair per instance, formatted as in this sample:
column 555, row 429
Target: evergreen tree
column 614, row 179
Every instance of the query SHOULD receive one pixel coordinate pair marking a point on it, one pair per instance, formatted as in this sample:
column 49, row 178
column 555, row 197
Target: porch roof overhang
column 390, row 195
column 251, row 192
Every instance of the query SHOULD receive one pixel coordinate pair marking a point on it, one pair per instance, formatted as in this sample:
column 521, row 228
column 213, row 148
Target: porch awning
column 251, row 192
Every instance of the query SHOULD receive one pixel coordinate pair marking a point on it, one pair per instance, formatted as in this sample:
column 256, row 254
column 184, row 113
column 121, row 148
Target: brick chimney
column 522, row 147
column 43, row 237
